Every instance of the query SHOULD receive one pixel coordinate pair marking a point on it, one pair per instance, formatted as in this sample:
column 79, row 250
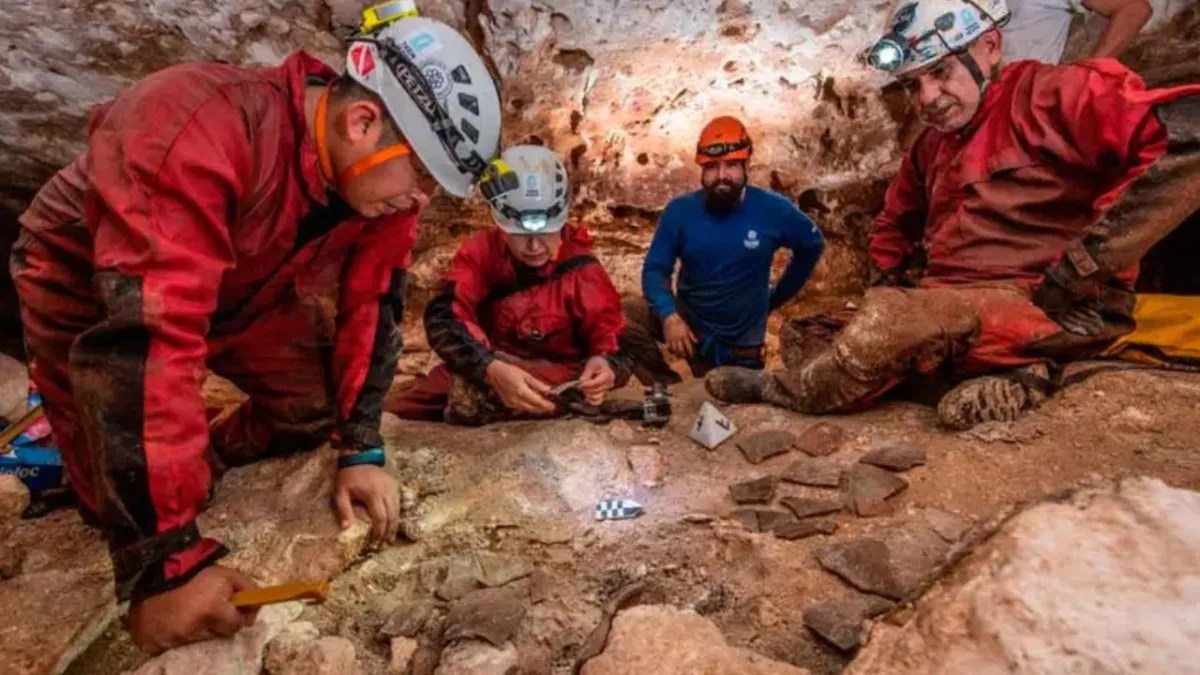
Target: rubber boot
column 994, row 398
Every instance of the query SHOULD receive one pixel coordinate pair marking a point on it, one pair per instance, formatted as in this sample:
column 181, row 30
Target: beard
column 723, row 197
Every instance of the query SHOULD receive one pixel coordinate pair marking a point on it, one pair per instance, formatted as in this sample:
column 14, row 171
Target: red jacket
column 566, row 311
column 203, row 205
column 1049, row 152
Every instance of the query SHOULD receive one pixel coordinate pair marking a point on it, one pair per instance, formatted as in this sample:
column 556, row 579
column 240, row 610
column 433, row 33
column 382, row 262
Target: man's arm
column 368, row 342
column 600, row 318
column 899, row 225
column 159, row 209
column 659, row 265
column 451, row 321
column 800, row 235
column 1125, row 21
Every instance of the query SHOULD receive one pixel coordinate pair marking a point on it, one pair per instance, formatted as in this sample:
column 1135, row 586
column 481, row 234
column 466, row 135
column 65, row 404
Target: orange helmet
column 724, row 138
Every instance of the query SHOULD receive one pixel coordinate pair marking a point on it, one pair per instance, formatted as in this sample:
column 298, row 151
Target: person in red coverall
column 1003, row 196
column 525, row 307
column 256, row 222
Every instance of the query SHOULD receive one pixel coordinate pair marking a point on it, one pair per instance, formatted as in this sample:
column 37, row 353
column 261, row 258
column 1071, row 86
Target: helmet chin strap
column 965, row 58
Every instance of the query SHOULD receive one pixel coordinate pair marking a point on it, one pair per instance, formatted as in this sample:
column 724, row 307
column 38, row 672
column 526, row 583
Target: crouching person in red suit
column 524, row 308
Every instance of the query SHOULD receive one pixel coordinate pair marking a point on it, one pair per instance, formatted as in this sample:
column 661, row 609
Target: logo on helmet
column 438, row 77
column 362, row 59
column 421, row 44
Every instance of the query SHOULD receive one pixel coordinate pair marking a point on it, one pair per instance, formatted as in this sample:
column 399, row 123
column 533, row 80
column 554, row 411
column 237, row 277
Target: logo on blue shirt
column 751, row 242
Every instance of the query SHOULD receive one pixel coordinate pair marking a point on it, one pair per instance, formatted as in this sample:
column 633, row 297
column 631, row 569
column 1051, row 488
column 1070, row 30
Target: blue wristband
column 374, row 456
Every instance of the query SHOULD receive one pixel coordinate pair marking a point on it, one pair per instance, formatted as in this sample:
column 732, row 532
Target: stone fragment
column 758, row 491
column 14, row 497
column 802, row 529
column 805, row 507
column 478, row 658
column 760, row 520
column 698, row 518
column 864, row 564
column 14, row 389
column 499, row 569
column 897, row 457
column 840, row 622
column 403, row 650
column 665, row 640
column 646, row 463
column 948, row 526
column 915, row 552
column 324, row 656
column 462, row 577
column 868, row 487
column 242, row 653
column 821, row 439
column 1104, row 582
column 407, row 620
column 814, row 472
column 491, row 614
column 763, row 445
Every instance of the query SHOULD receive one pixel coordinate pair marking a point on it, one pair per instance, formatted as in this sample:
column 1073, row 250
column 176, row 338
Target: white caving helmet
column 436, row 89
column 922, row 32
column 540, row 203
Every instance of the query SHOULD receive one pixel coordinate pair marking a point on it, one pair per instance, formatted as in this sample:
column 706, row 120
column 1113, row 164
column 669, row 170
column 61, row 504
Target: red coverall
column 549, row 321
column 1050, row 151
column 196, row 231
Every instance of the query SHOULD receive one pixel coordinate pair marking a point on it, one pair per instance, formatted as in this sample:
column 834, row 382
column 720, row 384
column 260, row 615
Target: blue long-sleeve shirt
column 724, row 280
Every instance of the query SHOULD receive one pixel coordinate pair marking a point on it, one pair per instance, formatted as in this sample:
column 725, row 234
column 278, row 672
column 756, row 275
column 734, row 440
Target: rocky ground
column 507, row 570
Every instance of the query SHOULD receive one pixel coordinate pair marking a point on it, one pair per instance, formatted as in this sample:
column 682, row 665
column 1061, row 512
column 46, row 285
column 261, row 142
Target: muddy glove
column 1083, row 319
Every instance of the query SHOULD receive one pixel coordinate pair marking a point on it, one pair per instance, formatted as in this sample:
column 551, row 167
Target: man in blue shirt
column 725, row 235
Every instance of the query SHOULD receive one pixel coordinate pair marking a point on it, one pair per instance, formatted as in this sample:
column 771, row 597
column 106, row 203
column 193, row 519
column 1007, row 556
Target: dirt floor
column 528, row 490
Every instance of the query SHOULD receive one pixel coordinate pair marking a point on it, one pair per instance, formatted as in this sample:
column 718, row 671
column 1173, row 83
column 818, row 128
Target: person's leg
column 896, row 332
column 281, row 361
column 640, row 343
column 425, row 400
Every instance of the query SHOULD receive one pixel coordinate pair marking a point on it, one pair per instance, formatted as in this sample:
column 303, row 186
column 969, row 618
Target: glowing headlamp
column 889, row 53
column 534, row 221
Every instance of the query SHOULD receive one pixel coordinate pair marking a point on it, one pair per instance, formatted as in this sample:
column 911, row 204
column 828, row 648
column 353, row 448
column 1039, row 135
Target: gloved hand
column 1083, row 319
column 1053, row 296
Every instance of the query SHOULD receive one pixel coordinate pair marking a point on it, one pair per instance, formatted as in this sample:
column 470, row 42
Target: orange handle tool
column 315, row 591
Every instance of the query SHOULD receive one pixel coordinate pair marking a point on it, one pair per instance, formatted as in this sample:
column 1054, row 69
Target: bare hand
column 597, row 379
column 198, row 610
column 377, row 491
column 519, row 390
column 680, row 339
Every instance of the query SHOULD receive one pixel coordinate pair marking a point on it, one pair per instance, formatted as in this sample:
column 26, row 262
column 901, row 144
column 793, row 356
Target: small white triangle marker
column 712, row 427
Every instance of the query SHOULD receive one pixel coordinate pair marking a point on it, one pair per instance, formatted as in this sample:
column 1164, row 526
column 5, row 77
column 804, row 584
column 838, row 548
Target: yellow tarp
column 1168, row 330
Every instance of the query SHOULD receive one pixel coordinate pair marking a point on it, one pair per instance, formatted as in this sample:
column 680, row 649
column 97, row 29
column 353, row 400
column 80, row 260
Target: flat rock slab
column 948, row 526
column 761, row 520
column 897, row 457
column 802, row 529
column 498, row 569
column 915, row 552
column 758, row 491
column 407, row 621
column 646, row 463
column 462, row 577
column 840, row 622
column 490, row 614
column 804, row 507
column 820, row 440
column 864, row 563
column 868, row 487
column 762, row 445
column 814, row 472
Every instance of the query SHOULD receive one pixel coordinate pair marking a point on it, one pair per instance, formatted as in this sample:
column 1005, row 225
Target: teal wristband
column 373, row 456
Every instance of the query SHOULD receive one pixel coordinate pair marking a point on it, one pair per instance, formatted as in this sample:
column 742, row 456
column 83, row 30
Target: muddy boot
column 734, row 384
column 995, row 398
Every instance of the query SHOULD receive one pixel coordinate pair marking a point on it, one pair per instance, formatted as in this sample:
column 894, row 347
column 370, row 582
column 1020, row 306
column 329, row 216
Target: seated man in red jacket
column 257, row 222
column 1004, row 197
column 524, row 308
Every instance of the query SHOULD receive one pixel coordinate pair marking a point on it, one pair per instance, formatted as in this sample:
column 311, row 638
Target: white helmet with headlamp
column 438, row 91
column 922, row 32
column 542, row 198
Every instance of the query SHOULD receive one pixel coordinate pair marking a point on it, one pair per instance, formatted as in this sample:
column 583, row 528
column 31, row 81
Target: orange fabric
column 358, row 168
column 373, row 160
column 724, row 130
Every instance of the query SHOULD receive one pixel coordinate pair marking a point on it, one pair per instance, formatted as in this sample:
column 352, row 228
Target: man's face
column 398, row 185
column 534, row 250
column 724, row 182
column 945, row 94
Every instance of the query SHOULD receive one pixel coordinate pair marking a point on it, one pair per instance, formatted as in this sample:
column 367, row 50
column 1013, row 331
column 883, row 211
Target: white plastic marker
column 618, row 509
column 712, row 427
